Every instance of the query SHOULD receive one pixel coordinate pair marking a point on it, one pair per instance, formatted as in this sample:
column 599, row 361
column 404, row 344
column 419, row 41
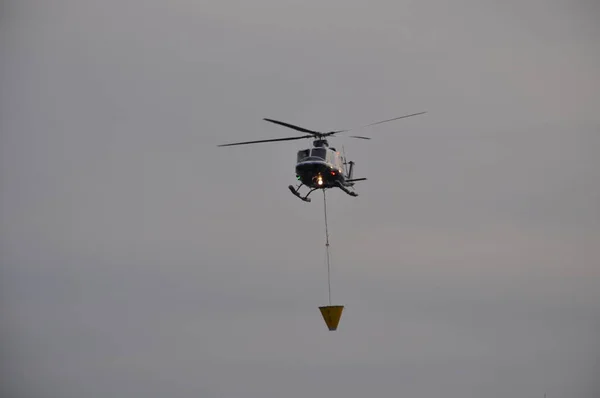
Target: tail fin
column 344, row 160
column 350, row 170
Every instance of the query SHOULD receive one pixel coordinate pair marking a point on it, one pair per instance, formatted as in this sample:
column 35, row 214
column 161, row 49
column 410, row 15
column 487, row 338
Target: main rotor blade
column 358, row 136
column 396, row 118
column 383, row 121
column 316, row 133
column 272, row 140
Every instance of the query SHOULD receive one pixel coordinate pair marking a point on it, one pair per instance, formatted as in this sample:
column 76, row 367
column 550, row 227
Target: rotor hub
column 320, row 143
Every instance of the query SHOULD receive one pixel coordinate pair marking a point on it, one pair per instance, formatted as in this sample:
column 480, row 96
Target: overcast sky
column 140, row 260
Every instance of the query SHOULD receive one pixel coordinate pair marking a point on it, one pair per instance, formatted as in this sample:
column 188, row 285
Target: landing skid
column 343, row 188
column 296, row 193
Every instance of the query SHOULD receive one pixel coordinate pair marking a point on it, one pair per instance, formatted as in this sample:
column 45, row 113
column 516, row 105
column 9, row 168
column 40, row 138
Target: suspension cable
column 327, row 247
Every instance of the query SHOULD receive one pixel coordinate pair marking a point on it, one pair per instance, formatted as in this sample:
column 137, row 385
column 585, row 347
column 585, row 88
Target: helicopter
column 322, row 166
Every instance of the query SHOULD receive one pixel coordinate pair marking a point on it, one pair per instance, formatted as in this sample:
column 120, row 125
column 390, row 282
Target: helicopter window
column 331, row 157
column 303, row 154
column 319, row 153
column 335, row 159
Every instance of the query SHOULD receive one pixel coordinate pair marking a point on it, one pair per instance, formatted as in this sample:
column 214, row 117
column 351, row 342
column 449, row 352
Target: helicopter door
column 331, row 158
column 335, row 159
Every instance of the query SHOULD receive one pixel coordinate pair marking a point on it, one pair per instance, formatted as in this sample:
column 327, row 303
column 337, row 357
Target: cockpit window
column 303, row 154
column 319, row 153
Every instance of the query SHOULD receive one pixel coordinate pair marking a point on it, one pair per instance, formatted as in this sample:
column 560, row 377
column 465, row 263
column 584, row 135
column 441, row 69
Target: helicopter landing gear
column 343, row 188
column 296, row 193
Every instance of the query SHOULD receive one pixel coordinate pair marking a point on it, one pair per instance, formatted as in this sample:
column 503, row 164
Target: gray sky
column 140, row 260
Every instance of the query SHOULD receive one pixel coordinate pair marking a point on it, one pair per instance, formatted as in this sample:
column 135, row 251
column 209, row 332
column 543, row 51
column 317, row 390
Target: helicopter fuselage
column 320, row 167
